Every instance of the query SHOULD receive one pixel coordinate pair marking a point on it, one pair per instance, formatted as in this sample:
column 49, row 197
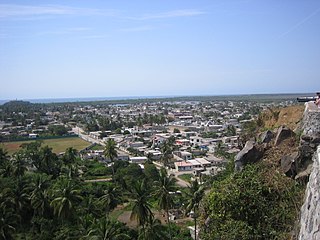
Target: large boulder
column 266, row 136
column 289, row 164
column 282, row 134
column 251, row 153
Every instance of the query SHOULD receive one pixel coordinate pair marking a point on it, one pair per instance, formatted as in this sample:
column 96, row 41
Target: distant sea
column 92, row 99
column 88, row 99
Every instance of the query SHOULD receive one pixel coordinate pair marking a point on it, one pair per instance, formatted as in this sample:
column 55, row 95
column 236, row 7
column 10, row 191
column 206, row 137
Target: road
column 81, row 133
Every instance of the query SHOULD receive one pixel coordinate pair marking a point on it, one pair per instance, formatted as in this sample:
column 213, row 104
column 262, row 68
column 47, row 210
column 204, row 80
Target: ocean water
column 87, row 99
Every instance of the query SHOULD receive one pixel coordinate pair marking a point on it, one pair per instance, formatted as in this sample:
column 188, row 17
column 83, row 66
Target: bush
column 259, row 203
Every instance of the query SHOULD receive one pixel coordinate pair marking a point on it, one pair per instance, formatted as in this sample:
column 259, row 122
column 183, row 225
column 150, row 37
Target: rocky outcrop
column 310, row 137
column 251, row 153
column 282, row 134
column 311, row 119
column 309, row 146
column 310, row 210
column 288, row 164
column 266, row 136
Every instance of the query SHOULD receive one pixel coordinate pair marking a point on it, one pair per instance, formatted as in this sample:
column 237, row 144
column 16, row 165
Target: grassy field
column 186, row 177
column 58, row 145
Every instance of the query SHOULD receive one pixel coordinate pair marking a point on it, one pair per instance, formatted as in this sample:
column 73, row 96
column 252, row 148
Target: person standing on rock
column 317, row 102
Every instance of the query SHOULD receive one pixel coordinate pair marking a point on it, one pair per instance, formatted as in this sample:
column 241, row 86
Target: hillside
column 260, row 199
column 288, row 116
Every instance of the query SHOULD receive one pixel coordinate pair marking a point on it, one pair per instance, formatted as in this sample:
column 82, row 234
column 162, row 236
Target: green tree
column 19, row 164
column 260, row 202
column 195, row 194
column 6, row 167
column 151, row 172
column 71, row 162
column 166, row 150
column 110, row 198
column 49, row 162
column 176, row 130
column 141, row 207
column 165, row 186
column 40, row 194
column 110, row 152
column 65, row 198
column 153, row 230
column 58, row 130
column 105, row 229
column 31, row 152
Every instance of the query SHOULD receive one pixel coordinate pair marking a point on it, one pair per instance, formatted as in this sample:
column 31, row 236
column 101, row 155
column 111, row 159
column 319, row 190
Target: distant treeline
column 245, row 97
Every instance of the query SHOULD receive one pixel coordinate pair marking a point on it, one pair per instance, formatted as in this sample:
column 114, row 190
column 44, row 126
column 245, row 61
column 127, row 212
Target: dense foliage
column 257, row 203
column 44, row 196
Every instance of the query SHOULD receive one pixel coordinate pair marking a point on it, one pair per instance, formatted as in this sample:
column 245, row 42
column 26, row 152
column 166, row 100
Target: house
column 195, row 163
column 160, row 138
column 33, row 135
column 154, row 154
column 203, row 162
column 95, row 135
column 215, row 161
column 183, row 142
column 184, row 155
column 123, row 157
column 136, row 145
column 195, row 141
column 183, row 166
column 138, row 159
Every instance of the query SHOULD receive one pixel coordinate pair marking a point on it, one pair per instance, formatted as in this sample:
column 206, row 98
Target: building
column 183, row 166
column 138, row 159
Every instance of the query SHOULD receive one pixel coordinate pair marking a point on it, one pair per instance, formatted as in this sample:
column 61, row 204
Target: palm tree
column 105, row 229
column 70, row 156
column 3, row 157
column 154, row 230
column 50, row 163
column 6, row 168
column 195, row 194
column 21, row 195
column 164, row 188
column 110, row 198
column 141, row 209
column 19, row 165
column 8, row 220
column 40, row 195
column 71, row 162
column 111, row 153
column 65, row 199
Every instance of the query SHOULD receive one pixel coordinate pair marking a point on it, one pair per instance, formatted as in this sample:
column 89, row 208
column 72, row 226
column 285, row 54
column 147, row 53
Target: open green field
column 58, row 145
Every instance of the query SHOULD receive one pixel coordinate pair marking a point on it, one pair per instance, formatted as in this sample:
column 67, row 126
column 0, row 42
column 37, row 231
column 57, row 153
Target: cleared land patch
column 57, row 145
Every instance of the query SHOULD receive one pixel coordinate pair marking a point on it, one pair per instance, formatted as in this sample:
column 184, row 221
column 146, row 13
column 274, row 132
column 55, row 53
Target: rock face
column 249, row 154
column 310, row 210
column 309, row 146
column 266, row 137
column 311, row 119
column 288, row 164
column 282, row 134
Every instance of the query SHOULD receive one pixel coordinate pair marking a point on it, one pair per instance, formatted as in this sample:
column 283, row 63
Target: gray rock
column 310, row 210
column 282, row 134
column 288, row 164
column 249, row 154
column 266, row 136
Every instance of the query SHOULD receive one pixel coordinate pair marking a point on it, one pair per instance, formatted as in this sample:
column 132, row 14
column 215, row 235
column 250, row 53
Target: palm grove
column 44, row 196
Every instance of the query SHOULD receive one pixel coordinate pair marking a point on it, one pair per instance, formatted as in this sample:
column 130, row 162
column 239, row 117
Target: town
column 162, row 155
column 185, row 136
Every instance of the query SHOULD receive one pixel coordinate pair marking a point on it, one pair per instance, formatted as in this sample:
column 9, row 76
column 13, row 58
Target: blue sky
column 77, row 48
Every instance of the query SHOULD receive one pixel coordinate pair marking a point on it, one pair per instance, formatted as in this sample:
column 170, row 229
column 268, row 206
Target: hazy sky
column 100, row 48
